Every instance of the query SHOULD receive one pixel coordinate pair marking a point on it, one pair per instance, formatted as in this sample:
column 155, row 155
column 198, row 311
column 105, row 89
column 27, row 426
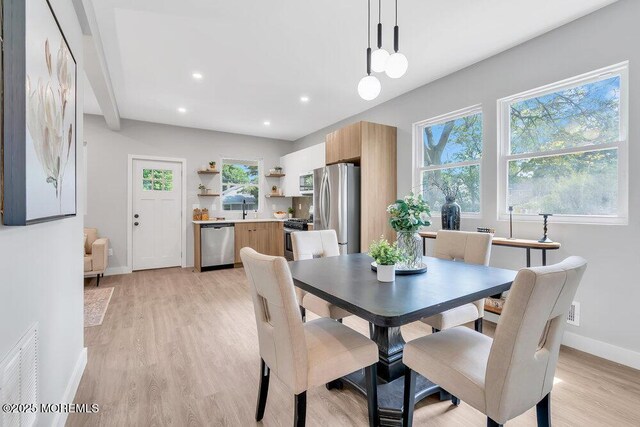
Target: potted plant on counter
column 386, row 256
column 291, row 212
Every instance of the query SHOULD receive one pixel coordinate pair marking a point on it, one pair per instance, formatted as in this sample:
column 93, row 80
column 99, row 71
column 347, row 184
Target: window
column 564, row 150
column 448, row 151
column 240, row 181
column 157, row 180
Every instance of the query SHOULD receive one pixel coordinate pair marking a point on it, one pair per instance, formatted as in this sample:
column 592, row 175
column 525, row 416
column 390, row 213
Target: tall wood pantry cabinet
column 373, row 147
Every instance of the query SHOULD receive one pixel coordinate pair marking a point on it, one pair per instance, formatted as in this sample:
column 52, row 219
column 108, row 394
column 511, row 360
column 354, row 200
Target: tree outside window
column 563, row 149
column 450, row 148
column 240, row 182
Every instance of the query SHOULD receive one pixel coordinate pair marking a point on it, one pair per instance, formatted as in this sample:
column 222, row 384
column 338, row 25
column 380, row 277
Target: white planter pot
column 386, row 273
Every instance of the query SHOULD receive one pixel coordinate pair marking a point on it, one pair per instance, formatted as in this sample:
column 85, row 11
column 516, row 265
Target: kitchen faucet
column 244, row 208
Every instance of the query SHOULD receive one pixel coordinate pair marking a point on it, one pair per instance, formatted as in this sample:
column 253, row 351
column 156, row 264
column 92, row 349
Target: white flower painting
column 50, row 117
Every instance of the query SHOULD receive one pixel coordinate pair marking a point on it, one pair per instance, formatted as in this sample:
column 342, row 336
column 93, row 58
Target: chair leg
column 303, row 314
column 491, row 423
column 543, row 411
column 478, row 325
column 409, row 397
column 370, row 330
column 434, row 330
column 371, row 378
column 97, row 280
column 263, row 390
column 339, row 320
column 300, row 415
column 455, row 400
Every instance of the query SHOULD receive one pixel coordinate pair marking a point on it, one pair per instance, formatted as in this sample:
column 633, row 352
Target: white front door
column 157, row 214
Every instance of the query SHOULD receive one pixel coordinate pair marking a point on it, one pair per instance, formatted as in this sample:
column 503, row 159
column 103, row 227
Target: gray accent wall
column 107, row 159
column 609, row 294
column 41, row 271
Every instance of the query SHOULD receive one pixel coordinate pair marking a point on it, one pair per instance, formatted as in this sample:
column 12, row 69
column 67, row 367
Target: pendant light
column 397, row 63
column 379, row 56
column 369, row 86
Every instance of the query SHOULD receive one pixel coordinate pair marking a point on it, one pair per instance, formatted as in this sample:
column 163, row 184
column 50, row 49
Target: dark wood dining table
column 349, row 282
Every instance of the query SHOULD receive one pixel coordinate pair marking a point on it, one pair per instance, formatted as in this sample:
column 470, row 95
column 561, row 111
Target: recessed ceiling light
column 304, row 99
column 196, row 76
column 182, row 110
column 266, row 123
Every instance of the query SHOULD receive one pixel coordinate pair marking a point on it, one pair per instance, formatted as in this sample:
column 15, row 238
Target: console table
column 503, row 241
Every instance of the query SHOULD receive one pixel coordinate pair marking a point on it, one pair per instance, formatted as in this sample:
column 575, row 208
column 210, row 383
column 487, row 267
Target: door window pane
column 157, row 179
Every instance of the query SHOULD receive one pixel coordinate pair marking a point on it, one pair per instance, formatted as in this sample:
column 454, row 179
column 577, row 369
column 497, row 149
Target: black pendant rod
column 379, row 24
column 396, row 32
column 369, row 37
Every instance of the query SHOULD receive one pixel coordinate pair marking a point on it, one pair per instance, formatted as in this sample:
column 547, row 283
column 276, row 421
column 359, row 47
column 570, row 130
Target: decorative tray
column 404, row 271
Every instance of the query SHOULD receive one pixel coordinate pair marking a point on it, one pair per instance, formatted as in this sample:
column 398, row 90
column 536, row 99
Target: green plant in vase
column 386, row 256
column 291, row 211
column 407, row 216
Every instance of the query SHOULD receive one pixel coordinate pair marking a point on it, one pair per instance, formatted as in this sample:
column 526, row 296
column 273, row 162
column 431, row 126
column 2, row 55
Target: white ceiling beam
column 95, row 64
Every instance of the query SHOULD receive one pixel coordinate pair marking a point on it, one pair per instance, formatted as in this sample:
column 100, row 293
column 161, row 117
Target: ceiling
column 259, row 57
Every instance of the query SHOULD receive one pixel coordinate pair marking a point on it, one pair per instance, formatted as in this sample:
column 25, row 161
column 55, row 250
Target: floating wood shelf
column 208, row 172
column 209, row 195
column 274, row 195
column 275, row 175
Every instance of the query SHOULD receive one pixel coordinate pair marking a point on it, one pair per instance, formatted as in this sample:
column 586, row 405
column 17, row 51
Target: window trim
column 622, row 145
column 418, row 153
column 232, row 160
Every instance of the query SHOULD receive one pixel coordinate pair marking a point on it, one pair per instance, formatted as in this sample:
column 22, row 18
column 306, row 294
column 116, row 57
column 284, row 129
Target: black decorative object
column 511, row 222
column 545, row 238
column 450, row 214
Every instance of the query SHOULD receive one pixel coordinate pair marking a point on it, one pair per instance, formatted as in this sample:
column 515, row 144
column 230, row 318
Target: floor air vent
column 19, row 380
column 573, row 318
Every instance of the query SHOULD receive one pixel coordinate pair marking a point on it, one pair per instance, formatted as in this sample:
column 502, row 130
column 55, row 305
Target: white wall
column 41, row 275
column 609, row 293
column 107, row 158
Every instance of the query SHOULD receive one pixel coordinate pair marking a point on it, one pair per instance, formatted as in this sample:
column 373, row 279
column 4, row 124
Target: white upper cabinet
column 299, row 162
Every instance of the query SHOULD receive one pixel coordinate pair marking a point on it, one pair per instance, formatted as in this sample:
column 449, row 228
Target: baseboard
column 60, row 418
column 602, row 349
column 113, row 271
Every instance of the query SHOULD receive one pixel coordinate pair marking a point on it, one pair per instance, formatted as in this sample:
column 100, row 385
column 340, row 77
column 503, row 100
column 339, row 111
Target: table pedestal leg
column 390, row 377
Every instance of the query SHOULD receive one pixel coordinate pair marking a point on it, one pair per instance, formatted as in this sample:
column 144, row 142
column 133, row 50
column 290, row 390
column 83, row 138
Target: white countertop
column 233, row 221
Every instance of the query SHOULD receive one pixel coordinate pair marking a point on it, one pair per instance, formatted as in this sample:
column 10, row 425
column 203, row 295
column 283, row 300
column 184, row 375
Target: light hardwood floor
column 180, row 348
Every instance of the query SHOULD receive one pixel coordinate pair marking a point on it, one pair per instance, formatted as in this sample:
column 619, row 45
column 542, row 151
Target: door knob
column 136, row 216
column 136, row 223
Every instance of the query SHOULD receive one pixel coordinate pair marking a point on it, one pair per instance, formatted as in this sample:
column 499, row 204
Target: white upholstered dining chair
column 316, row 244
column 469, row 247
column 301, row 355
column 510, row 374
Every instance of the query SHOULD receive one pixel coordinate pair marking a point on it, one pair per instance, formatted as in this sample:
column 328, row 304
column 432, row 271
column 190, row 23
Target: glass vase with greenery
column 407, row 216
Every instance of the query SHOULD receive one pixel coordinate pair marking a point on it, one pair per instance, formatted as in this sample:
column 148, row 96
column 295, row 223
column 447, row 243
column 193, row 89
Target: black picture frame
column 14, row 122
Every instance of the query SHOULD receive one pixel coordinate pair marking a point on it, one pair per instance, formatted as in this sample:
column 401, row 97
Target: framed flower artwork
column 39, row 76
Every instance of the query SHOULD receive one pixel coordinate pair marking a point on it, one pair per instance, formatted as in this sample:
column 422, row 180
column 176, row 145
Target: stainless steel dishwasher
column 217, row 243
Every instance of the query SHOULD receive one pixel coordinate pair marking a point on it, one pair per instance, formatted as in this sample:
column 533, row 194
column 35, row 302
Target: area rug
column 96, row 302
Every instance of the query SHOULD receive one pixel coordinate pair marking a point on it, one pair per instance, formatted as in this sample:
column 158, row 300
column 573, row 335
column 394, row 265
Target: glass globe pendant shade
column 396, row 66
column 379, row 60
column 369, row 88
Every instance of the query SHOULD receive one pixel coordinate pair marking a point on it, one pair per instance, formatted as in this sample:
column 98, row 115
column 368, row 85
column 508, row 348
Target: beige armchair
column 316, row 244
column 96, row 254
column 510, row 374
column 301, row 355
column 469, row 247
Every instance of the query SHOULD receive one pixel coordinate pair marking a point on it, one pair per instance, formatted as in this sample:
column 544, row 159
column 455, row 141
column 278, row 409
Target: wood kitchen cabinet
column 265, row 237
column 373, row 147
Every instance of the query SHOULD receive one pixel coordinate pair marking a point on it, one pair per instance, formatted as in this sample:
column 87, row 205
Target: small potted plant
column 291, row 212
column 202, row 188
column 274, row 189
column 278, row 170
column 212, row 165
column 386, row 256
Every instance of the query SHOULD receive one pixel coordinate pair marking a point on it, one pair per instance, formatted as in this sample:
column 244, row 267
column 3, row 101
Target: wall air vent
column 573, row 318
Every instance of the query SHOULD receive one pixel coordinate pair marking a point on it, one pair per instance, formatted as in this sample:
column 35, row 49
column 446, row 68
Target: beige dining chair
column 510, row 374
column 469, row 247
column 309, row 245
column 301, row 355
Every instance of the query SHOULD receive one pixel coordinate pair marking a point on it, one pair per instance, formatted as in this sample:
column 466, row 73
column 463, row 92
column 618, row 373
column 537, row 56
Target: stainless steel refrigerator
column 336, row 203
